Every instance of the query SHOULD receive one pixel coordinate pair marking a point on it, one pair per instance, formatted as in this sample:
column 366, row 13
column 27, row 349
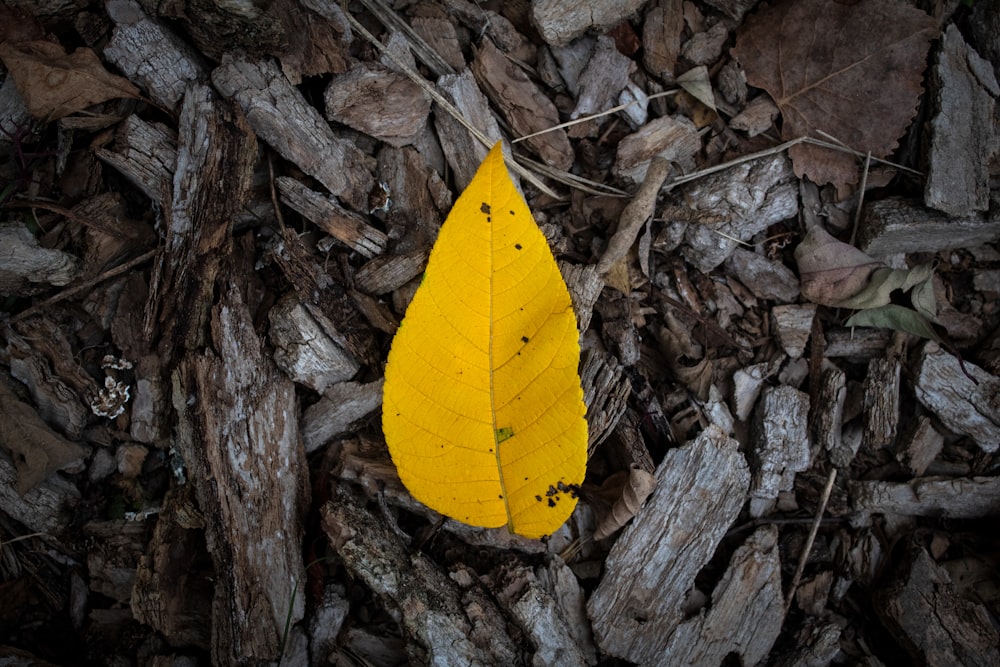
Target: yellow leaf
column 482, row 407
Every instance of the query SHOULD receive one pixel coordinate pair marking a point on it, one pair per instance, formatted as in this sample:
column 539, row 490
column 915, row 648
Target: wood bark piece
column 279, row 114
column 793, row 324
column 559, row 23
column 378, row 102
column 145, row 153
column 963, row 128
column 957, row 498
column 602, row 80
column 463, row 152
column 766, row 279
column 962, row 406
column 539, row 613
column 920, row 446
column 881, row 402
column 419, row 200
column 661, row 38
column 443, row 626
column 215, row 157
column 440, row 35
column 239, row 437
column 325, row 299
column 173, row 579
column 324, row 211
column 736, row 204
column 48, row 508
column 892, row 226
column 671, row 138
column 151, row 55
column 341, row 406
column 638, row 604
column 933, row 623
column 304, row 350
column 522, row 103
column 780, row 445
column 605, row 391
column 828, row 417
column 25, row 265
column 387, row 273
column 13, row 113
column 745, row 615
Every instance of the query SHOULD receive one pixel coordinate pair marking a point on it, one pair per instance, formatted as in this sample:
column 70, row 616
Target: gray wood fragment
column 282, row 117
column 378, row 102
column 341, row 406
column 324, row 211
column 47, row 508
column 701, row 488
column 745, row 615
column 892, row 226
column 145, row 153
column 793, row 324
column 559, row 23
column 962, row 405
column 24, row 263
column 881, row 401
column 920, row 446
column 463, row 152
column 304, row 349
column 765, row 278
column 935, row 626
column 672, row 138
column 950, row 497
column 780, row 445
column 964, row 135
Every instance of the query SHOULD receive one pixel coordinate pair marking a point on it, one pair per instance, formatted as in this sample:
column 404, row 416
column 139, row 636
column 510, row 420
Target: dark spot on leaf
column 500, row 496
column 517, row 245
column 551, row 491
column 574, row 490
column 511, row 212
column 489, row 219
column 524, row 339
column 552, row 503
column 538, row 498
column 485, row 208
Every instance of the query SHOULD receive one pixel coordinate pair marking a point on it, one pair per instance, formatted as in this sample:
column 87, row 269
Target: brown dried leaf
column 831, row 271
column 36, row 449
column 54, row 84
column 629, row 499
column 853, row 71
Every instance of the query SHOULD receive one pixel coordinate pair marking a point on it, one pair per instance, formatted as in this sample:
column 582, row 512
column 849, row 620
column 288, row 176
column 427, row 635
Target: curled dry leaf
column 851, row 70
column 54, row 84
column 629, row 491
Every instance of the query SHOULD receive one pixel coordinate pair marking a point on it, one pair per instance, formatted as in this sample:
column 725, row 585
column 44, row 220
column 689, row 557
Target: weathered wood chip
column 891, row 226
column 324, row 211
column 341, row 406
column 378, row 102
column 780, row 445
column 559, row 23
column 639, row 602
column 954, row 498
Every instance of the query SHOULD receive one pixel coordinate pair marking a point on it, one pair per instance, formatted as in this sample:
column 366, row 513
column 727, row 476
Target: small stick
column 635, row 215
column 861, row 196
column 85, row 285
column 804, row 557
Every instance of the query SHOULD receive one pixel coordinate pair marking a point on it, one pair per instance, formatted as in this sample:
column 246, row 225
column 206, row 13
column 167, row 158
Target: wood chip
column 283, row 118
column 523, row 105
column 661, row 37
column 324, row 211
column 793, row 324
column 954, row 498
column 920, row 446
column 639, row 602
column 145, row 153
column 672, row 138
column 561, row 22
column 765, row 278
column 341, row 406
column 25, row 265
column 463, row 152
column 892, row 226
column 965, row 93
column 151, row 55
column 936, row 626
column 304, row 350
column 780, row 445
column 965, row 407
column 378, row 102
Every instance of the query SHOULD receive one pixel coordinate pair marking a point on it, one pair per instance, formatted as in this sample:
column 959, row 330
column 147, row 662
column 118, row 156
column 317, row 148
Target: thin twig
column 584, row 119
column 804, row 556
column 85, row 285
column 441, row 100
column 861, row 196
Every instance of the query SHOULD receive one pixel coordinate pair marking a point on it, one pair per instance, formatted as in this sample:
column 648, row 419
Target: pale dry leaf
column 54, row 84
column 897, row 318
column 883, row 282
column 696, row 81
column 851, row 70
column 635, row 489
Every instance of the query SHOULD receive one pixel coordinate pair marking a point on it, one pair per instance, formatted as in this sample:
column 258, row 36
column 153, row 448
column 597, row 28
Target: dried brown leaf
column 853, row 71
column 54, row 84
column 633, row 493
column 36, row 449
column 831, row 271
